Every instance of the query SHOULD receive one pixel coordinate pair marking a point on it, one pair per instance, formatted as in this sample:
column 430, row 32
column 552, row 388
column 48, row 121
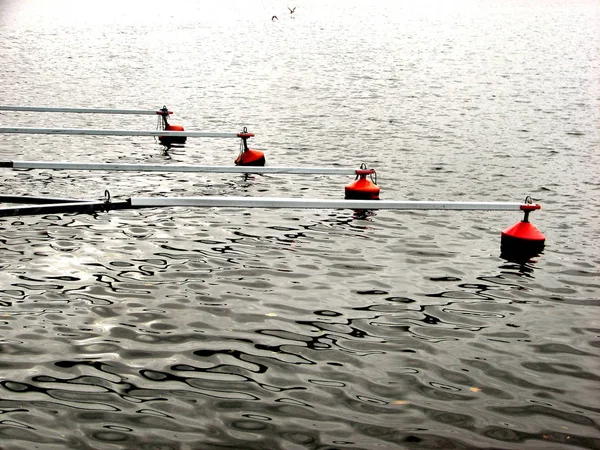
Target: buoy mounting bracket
column 107, row 201
column 164, row 111
column 164, row 114
column 529, row 206
column 245, row 135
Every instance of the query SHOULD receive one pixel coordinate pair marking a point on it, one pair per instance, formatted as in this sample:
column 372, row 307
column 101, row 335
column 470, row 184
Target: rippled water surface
column 183, row 328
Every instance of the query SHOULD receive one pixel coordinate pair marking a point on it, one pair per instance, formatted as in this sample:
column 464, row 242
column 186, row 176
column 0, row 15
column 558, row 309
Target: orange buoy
column 248, row 157
column 170, row 140
column 361, row 188
column 522, row 240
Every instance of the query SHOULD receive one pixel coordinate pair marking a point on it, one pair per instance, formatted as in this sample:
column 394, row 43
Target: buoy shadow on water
column 363, row 214
column 169, row 146
column 520, row 254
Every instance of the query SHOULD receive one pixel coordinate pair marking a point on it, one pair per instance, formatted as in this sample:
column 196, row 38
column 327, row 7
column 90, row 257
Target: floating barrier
column 166, row 137
column 312, row 203
column 77, row 206
column 521, row 240
column 85, row 110
column 519, row 243
column 100, row 132
column 169, row 135
column 64, row 165
column 37, row 200
column 359, row 190
column 293, row 203
column 371, row 191
column 163, row 113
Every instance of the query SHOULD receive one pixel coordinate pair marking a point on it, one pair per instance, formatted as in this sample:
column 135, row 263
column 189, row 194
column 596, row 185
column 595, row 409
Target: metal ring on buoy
column 361, row 188
column 365, row 171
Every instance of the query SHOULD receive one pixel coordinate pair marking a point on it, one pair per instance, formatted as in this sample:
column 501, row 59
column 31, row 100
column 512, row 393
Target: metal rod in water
column 81, row 110
column 65, row 165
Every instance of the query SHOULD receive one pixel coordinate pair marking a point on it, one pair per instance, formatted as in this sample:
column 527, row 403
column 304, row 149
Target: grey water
column 189, row 328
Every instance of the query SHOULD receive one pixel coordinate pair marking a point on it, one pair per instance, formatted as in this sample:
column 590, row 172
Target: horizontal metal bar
column 91, row 132
column 37, row 200
column 63, row 165
column 85, row 206
column 276, row 202
column 80, row 110
column 56, row 208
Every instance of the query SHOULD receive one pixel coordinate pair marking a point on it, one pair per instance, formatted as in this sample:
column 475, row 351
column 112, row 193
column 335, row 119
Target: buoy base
column 362, row 189
column 167, row 141
column 361, row 196
column 250, row 158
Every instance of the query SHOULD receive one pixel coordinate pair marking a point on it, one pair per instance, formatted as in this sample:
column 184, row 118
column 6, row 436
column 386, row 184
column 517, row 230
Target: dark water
column 184, row 328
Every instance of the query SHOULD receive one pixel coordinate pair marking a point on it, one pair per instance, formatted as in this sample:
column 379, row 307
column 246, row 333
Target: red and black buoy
column 168, row 141
column 248, row 157
column 361, row 188
column 523, row 240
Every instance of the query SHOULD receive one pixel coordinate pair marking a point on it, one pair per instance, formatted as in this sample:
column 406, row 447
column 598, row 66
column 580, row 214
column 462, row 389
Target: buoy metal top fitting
column 164, row 111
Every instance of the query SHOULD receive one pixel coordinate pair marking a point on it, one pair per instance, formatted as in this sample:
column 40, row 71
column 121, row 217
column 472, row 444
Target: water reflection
column 202, row 320
column 364, row 214
column 523, row 258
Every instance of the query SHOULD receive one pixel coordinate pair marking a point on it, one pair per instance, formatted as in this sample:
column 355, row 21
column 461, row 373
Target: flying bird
column 292, row 10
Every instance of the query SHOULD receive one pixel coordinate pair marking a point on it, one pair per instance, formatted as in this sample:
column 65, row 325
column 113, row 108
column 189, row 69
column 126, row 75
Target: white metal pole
column 61, row 165
column 276, row 202
column 91, row 132
column 80, row 110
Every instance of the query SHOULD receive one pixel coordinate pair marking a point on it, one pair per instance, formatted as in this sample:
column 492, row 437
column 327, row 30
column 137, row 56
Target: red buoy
column 522, row 240
column 525, row 231
column 249, row 157
column 170, row 140
column 361, row 188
